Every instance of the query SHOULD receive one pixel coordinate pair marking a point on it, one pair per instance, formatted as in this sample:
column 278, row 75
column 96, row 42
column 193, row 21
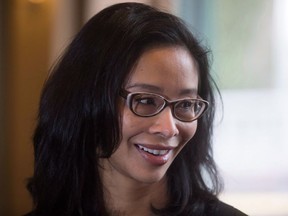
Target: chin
column 151, row 178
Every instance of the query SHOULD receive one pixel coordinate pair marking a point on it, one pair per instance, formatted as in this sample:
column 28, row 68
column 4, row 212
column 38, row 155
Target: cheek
column 130, row 123
column 189, row 131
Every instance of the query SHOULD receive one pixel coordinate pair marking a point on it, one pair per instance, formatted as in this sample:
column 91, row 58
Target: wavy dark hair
column 79, row 122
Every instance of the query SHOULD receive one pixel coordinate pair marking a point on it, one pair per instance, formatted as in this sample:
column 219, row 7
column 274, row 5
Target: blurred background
column 249, row 42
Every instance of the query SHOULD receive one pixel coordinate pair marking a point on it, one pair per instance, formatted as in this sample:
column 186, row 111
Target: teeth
column 153, row 151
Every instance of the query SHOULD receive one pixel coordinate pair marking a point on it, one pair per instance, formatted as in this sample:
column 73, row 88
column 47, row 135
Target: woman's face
column 172, row 73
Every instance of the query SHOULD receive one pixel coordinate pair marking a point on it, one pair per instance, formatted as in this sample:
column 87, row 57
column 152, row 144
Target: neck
column 129, row 197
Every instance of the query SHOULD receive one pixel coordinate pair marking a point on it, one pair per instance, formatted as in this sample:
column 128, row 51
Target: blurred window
column 249, row 43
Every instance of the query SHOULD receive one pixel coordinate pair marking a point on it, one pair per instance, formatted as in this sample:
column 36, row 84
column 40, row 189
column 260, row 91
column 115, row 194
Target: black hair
column 78, row 120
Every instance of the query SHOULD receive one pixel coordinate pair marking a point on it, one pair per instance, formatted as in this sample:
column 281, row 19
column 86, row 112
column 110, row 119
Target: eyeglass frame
column 128, row 96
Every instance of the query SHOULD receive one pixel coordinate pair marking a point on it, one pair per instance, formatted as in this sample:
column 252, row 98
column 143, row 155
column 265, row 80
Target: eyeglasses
column 149, row 104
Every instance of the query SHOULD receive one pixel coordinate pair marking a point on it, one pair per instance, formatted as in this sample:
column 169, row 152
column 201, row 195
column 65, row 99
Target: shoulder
column 223, row 209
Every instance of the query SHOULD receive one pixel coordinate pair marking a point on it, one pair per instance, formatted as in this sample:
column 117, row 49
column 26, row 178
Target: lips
column 155, row 155
column 155, row 152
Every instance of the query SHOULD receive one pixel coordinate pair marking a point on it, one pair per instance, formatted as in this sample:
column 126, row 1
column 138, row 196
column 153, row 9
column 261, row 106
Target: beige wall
column 92, row 6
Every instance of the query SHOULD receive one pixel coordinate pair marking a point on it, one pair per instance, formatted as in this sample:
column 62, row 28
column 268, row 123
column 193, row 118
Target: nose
column 164, row 124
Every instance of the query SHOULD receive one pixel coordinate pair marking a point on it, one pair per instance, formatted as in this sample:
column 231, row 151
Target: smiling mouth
column 154, row 152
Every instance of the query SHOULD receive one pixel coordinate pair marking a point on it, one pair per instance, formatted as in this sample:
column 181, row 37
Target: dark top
column 215, row 208
column 223, row 209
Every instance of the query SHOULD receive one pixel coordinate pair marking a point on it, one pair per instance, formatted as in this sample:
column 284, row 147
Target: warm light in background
column 36, row 1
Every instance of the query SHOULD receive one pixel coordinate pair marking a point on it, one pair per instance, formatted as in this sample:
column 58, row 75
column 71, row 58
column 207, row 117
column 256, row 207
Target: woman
column 119, row 129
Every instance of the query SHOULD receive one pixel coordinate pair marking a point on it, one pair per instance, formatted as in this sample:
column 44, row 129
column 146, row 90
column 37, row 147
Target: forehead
column 165, row 70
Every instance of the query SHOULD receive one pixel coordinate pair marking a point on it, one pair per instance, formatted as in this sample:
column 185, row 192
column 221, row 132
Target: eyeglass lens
column 150, row 104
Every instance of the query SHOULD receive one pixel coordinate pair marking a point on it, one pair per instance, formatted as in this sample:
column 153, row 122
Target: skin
column 132, row 181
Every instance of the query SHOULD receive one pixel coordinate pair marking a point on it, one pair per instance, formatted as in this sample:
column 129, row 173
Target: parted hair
column 78, row 120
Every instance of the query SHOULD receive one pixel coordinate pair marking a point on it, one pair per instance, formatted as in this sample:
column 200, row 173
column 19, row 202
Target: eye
column 145, row 100
column 185, row 105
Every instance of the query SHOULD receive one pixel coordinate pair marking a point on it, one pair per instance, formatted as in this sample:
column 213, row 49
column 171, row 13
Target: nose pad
column 164, row 124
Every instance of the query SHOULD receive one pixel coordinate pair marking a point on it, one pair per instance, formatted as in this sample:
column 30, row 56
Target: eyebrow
column 148, row 87
column 145, row 87
column 190, row 91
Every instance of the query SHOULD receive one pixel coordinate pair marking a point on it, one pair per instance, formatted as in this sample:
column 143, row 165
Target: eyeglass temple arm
column 123, row 93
